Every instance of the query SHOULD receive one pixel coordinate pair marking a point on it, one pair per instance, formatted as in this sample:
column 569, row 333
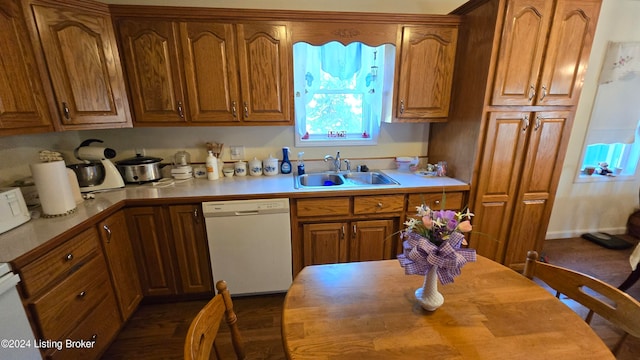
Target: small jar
column 270, row 165
column 255, row 167
column 240, row 168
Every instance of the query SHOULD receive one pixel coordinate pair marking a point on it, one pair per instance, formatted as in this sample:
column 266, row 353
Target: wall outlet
column 237, row 152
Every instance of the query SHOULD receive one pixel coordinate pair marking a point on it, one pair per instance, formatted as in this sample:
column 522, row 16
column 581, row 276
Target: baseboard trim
column 577, row 233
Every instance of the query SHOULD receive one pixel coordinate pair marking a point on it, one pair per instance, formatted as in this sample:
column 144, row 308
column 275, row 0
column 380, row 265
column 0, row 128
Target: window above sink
column 342, row 92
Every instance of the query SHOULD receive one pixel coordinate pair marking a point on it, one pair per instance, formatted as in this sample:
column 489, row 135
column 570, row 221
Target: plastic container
column 406, row 163
column 285, row 165
column 300, row 163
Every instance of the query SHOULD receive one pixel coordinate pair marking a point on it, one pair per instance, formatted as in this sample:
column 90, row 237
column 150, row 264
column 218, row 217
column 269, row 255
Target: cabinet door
column 192, row 250
column 570, row 40
column 265, row 56
column 522, row 47
column 324, row 243
column 539, row 180
column 23, row 106
column 372, row 240
column 425, row 72
column 152, row 66
column 122, row 264
column 211, row 71
column 152, row 250
column 496, row 193
column 84, row 65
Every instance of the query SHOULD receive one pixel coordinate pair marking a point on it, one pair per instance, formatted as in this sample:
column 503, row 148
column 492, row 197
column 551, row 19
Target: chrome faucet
column 336, row 161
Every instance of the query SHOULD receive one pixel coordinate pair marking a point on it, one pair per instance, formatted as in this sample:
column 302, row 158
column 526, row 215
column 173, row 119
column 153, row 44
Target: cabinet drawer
column 452, row 200
column 59, row 262
column 318, row 207
column 60, row 310
column 101, row 325
column 378, row 204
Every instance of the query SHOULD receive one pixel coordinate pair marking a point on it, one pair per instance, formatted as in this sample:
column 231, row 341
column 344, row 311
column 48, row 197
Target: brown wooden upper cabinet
column 207, row 73
column 544, row 50
column 83, row 63
column 23, row 105
column 424, row 74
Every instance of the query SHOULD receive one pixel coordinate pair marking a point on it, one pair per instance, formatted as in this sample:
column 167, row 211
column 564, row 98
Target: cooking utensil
column 88, row 174
column 140, row 169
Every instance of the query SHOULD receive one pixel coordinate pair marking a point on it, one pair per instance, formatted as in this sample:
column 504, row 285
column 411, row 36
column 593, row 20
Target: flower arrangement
column 435, row 238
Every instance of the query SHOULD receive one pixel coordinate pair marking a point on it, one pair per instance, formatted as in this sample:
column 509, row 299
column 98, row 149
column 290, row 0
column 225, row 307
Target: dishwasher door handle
column 247, row 212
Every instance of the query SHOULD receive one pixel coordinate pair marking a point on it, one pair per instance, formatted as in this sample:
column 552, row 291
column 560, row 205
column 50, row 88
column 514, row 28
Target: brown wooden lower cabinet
column 329, row 243
column 344, row 229
column 122, row 263
column 171, row 247
column 69, row 295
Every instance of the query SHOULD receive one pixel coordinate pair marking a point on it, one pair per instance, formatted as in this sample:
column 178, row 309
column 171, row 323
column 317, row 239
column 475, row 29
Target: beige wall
column 598, row 205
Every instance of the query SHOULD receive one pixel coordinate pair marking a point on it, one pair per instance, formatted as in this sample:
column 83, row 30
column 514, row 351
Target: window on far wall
column 342, row 93
column 614, row 129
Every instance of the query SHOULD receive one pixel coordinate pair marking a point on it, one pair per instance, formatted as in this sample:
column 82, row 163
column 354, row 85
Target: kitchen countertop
column 38, row 231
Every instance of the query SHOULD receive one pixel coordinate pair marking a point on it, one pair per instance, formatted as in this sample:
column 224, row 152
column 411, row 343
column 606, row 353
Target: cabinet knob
column 94, row 337
column 380, row 205
column 437, row 202
column 69, row 257
column 82, row 294
column 106, row 228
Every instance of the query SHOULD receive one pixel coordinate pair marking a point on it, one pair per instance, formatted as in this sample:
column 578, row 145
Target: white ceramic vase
column 428, row 295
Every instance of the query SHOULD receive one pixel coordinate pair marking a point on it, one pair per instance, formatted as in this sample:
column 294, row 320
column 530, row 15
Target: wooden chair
column 202, row 333
column 611, row 303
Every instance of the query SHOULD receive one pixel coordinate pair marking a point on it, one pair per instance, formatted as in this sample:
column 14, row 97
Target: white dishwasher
column 250, row 244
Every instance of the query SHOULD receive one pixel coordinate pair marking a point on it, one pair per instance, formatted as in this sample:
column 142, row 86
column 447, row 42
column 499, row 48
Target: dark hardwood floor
column 157, row 331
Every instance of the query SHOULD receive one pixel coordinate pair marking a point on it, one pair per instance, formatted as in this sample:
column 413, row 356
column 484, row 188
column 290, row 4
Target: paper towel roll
column 54, row 189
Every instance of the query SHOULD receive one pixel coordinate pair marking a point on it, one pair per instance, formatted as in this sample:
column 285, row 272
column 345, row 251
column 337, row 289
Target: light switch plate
column 237, row 152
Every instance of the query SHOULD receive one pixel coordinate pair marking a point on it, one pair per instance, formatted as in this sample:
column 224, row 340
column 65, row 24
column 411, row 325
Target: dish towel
column 634, row 259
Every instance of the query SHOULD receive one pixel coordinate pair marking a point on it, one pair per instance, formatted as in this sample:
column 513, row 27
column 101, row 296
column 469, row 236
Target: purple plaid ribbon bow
column 420, row 255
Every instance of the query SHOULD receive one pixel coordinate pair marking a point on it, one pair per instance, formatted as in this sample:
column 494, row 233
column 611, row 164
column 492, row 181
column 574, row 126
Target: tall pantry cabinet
column 519, row 72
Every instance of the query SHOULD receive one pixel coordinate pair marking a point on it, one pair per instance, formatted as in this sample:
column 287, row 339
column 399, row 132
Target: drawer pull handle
column 437, row 202
column 106, row 228
column 380, row 205
column 69, row 257
column 82, row 294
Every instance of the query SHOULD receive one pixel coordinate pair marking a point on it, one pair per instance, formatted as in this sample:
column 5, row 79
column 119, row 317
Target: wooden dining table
column 367, row 310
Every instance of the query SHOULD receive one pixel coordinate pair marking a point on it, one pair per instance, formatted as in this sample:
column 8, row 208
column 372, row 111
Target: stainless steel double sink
column 343, row 179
